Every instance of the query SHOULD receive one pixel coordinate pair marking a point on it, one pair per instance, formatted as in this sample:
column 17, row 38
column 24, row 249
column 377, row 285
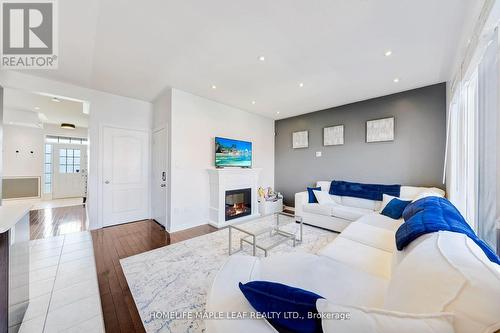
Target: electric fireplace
column 238, row 203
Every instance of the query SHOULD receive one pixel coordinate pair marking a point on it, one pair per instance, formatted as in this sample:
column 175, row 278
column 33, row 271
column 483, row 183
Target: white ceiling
column 22, row 107
column 335, row 47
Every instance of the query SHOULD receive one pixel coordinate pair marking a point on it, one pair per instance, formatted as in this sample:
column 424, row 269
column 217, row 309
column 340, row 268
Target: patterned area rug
column 176, row 278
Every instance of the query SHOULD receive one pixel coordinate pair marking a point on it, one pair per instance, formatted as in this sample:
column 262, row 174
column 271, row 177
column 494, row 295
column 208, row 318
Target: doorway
column 70, row 168
column 159, row 177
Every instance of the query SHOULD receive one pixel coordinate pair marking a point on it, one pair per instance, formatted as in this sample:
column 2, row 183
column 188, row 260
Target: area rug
column 176, row 278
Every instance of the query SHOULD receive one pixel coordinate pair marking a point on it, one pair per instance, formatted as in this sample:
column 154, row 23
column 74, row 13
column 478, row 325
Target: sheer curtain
column 473, row 134
column 487, row 136
column 462, row 145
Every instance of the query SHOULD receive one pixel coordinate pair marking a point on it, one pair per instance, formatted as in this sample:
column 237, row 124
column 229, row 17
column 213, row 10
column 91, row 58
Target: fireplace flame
column 237, row 208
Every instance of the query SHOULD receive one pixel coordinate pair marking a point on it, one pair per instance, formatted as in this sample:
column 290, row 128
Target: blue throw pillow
column 276, row 300
column 395, row 208
column 312, row 197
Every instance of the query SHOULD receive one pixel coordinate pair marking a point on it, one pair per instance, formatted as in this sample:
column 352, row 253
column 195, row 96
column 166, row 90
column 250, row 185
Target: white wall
column 194, row 124
column 105, row 109
column 25, row 140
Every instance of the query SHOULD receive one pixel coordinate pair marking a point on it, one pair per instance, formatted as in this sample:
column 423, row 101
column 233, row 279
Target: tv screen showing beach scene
column 233, row 153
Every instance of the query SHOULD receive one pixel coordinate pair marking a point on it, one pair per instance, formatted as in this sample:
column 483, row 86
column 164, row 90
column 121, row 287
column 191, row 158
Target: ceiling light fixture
column 37, row 108
column 68, row 126
column 277, row 112
column 301, row 84
column 388, row 53
column 253, row 102
column 396, row 80
column 214, row 86
column 55, row 99
column 262, row 58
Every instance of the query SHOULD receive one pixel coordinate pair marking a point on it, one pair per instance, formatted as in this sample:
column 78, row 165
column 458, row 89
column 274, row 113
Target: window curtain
column 461, row 148
column 487, row 140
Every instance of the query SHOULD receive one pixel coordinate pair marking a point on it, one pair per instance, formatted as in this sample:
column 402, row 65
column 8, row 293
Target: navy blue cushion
column 434, row 214
column 395, row 208
column 312, row 197
column 364, row 191
column 276, row 298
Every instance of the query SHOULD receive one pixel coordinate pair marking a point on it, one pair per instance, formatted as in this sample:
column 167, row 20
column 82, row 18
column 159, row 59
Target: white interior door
column 159, row 177
column 125, row 175
column 68, row 162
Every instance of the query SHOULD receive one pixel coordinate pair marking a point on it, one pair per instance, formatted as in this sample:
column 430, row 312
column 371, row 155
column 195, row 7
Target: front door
column 159, row 177
column 125, row 175
column 69, row 165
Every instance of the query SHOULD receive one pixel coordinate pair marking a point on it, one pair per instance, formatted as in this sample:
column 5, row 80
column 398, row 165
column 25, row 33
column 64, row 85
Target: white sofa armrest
column 301, row 199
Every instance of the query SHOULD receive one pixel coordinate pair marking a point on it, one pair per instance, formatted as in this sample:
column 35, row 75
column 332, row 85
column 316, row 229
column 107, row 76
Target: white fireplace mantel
column 227, row 179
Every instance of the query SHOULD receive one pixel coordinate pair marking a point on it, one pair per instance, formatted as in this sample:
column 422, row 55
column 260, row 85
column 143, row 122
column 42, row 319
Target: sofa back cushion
column 360, row 203
column 448, row 272
column 424, row 281
column 411, row 192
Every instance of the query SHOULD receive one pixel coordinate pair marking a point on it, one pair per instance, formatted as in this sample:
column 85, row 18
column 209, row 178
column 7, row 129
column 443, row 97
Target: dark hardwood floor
column 113, row 243
column 52, row 222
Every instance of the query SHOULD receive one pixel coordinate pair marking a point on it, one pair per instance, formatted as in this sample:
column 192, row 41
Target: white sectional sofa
column 338, row 215
column 360, row 271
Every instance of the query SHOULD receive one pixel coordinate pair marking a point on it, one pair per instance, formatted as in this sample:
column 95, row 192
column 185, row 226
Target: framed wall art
column 380, row 130
column 333, row 135
column 300, row 139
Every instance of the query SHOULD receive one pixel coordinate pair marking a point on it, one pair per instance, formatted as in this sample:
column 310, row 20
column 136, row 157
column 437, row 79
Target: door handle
column 106, row 182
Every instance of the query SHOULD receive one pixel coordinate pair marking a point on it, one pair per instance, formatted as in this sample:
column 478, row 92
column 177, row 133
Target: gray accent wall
column 415, row 157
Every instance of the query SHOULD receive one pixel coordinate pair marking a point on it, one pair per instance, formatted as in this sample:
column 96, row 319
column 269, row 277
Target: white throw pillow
column 323, row 198
column 368, row 320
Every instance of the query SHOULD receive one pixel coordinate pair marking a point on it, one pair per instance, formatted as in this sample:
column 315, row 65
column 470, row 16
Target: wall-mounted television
column 232, row 153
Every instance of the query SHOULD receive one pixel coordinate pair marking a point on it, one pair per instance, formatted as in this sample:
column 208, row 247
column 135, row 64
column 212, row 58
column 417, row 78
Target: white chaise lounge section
column 345, row 210
column 439, row 272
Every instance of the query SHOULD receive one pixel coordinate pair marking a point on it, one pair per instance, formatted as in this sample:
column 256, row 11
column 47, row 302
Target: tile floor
column 64, row 293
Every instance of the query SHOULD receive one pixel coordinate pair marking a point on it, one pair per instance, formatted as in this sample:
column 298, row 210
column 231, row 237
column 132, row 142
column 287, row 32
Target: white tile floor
column 64, row 293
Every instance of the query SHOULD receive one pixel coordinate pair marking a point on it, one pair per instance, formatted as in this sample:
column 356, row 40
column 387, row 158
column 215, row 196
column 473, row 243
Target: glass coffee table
column 267, row 234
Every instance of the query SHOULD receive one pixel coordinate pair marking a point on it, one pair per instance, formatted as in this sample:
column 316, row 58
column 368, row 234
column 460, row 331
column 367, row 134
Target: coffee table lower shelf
column 265, row 238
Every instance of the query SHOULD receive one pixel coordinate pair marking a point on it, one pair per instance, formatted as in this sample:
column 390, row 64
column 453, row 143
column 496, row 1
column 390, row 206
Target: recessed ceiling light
column 277, row 112
column 55, row 99
column 301, row 84
column 37, row 108
column 396, row 80
column 214, row 86
column 388, row 53
column 253, row 102
column 262, row 58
